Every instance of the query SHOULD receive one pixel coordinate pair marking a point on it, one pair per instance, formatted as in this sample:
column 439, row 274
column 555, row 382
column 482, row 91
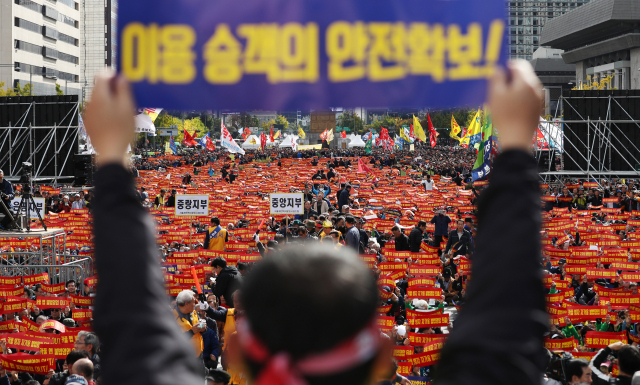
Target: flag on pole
column 433, row 134
column 482, row 167
column 170, row 148
column 263, row 140
column 152, row 112
column 276, row 135
column 330, row 136
column 405, row 135
column 207, row 143
column 417, row 130
column 474, row 132
column 363, row 167
column 343, row 135
column 189, row 140
column 369, row 146
column 227, row 141
column 271, row 134
column 301, row 133
column 412, row 135
column 455, row 129
column 246, row 133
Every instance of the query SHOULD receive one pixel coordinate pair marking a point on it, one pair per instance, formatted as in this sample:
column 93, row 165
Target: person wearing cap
column 218, row 377
column 78, row 204
column 327, row 227
column 311, row 228
column 318, row 225
column 65, row 205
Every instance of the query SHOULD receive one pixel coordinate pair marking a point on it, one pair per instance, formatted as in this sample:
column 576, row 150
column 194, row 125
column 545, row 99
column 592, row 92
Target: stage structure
column 596, row 133
column 41, row 130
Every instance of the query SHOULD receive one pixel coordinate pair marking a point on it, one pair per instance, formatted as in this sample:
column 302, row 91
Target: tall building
column 527, row 19
column 40, row 44
column 98, row 26
column 602, row 40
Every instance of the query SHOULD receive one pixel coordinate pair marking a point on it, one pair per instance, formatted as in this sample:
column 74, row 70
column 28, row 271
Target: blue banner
column 419, row 380
column 304, row 54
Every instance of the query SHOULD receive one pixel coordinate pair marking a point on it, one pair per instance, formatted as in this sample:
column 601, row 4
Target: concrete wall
column 635, row 68
column 581, row 72
column 6, row 42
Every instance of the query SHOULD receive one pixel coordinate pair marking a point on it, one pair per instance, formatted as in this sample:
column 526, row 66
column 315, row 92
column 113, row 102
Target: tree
column 278, row 120
column 386, row 122
column 352, row 121
column 59, row 90
column 7, row 92
column 24, row 91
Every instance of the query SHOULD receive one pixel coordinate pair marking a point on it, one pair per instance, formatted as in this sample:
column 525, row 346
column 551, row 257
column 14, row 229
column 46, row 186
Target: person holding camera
column 7, row 195
column 187, row 318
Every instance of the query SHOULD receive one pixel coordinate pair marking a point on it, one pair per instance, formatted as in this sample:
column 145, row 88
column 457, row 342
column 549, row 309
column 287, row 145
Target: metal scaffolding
column 18, row 143
column 604, row 138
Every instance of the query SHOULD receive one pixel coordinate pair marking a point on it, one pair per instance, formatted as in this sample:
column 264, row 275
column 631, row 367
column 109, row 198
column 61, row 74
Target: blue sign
column 305, row 54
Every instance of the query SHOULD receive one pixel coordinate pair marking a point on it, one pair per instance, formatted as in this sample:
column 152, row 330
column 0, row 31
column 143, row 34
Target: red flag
column 411, row 134
column 362, row 167
column 271, row 134
column 210, row 145
column 189, row 140
column 246, row 133
column 263, row 140
column 323, row 136
column 344, row 135
column 433, row 134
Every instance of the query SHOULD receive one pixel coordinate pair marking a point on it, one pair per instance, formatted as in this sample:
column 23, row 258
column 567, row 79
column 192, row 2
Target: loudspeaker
column 83, row 169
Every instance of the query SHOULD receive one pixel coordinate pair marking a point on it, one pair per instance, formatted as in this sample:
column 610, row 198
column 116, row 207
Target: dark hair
column 219, row 262
column 75, row 355
column 422, row 223
column 307, row 277
column 395, row 228
column 85, row 369
column 215, row 221
column 350, row 220
column 242, row 265
column 71, row 281
column 469, row 220
column 629, row 359
column 574, row 368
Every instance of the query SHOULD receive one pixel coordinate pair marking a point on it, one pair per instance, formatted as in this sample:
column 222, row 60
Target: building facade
column 555, row 75
column 99, row 41
column 527, row 20
column 40, row 44
column 602, row 39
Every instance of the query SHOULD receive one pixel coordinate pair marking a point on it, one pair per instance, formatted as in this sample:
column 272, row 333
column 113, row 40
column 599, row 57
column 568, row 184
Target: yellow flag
column 455, row 128
column 276, row 135
column 474, row 129
column 330, row 136
column 301, row 133
column 418, row 131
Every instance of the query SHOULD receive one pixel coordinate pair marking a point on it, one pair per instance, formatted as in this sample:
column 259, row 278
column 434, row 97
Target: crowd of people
column 378, row 258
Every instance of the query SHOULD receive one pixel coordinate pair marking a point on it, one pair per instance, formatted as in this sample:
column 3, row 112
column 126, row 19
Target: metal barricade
column 78, row 270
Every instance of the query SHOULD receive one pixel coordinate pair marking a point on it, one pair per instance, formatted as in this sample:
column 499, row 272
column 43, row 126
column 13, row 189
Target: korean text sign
column 15, row 203
column 192, row 205
column 286, row 203
column 284, row 54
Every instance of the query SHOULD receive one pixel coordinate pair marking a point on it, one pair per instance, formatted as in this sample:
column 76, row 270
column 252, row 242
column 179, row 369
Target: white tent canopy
column 356, row 141
column 252, row 142
column 289, row 141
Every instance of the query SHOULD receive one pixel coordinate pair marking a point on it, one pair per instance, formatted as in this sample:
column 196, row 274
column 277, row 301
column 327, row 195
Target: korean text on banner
column 15, row 203
column 287, row 203
column 314, row 54
column 192, row 205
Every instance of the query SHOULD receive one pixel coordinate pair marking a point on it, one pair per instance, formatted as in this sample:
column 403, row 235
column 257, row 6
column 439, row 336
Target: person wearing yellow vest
column 187, row 319
column 228, row 316
column 161, row 200
column 216, row 236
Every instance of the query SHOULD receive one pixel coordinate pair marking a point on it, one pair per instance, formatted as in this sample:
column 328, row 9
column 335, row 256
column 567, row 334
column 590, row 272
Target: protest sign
column 192, row 205
column 288, row 54
column 286, row 203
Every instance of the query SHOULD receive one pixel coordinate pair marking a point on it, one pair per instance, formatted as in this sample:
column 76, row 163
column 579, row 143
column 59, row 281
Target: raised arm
column 148, row 348
column 499, row 332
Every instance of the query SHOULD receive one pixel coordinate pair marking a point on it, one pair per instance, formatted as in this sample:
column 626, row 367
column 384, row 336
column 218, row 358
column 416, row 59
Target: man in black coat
column 459, row 240
column 415, row 237
column 402, row 241
column 228, row 280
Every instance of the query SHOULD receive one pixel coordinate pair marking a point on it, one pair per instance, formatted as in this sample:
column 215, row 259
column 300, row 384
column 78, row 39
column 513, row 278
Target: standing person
column 415, row 236
column 187, row 318
column 344, row 197
column 459, row 240
column 216, row 236
column 228, row 280
column 7, row 195
column 161, row 200
column 428, row 183
column 352, row 237
column 401, row 240
column 78, row 204
column 171, row 201
column 441, row 223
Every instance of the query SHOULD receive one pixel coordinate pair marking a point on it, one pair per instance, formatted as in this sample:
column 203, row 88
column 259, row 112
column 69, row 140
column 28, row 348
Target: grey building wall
column 635, row 68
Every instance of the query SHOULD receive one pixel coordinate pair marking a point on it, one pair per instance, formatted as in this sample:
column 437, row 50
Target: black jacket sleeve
column 206, row 240
column 219, row 314
column 149, row 347
column 222, row 281
column 597, row 376
column 495, row 352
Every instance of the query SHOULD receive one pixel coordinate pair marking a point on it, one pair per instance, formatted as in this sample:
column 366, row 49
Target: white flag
column 227, row 141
